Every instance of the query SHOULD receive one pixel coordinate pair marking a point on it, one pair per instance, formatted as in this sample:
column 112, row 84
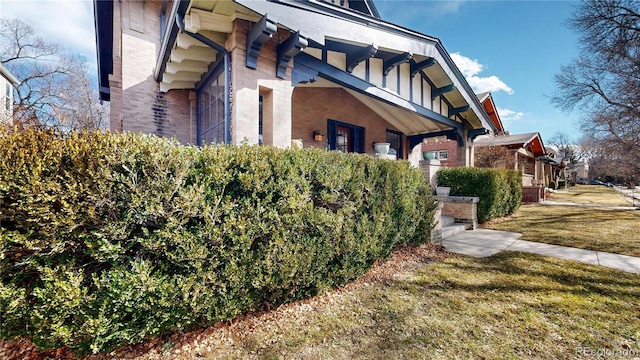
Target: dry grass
column 614, row 231
column 509, row 306
column 590, row 194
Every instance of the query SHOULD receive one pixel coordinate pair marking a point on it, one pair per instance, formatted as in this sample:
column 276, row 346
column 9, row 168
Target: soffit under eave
column 536, row 146
column 491, row 110
column 405, row 121
column 189, row 59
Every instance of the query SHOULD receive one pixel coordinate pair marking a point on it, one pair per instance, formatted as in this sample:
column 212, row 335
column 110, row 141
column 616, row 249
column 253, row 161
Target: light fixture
column 317, row 136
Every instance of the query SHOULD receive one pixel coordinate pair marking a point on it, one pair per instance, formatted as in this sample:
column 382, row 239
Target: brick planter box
column 533, row 194
column 463, row 209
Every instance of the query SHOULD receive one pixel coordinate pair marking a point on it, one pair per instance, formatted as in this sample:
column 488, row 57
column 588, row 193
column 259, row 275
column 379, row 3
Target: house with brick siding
column 445, row 147
column 523, row 152
column 330, row 73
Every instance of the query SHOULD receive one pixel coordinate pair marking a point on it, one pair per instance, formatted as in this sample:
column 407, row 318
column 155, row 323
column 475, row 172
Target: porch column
column 464, row 152
column 276, row 112
column 247, row 86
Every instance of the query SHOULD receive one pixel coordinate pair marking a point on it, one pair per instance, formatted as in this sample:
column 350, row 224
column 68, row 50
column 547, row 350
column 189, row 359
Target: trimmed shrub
column 500, row 191
column 106, row 239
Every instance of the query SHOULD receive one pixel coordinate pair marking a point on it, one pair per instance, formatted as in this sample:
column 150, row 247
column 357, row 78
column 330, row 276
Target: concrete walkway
column 485, row 242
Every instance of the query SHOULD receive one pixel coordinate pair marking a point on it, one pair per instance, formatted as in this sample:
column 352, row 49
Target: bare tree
column 604, row 81
column 54, row 89
column 496, row 157
column 609, row 163
column 79, row 107
column 568, row 149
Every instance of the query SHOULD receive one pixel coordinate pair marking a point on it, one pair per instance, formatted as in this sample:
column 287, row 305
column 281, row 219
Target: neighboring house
column 523, row 153
column 554, row 167
column 7, row 83
column 447, row 150
column 333, row 74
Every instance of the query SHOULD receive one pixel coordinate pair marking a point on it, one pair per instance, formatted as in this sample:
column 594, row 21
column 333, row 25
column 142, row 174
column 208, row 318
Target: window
column 345, row 137
column 212, row 127
column 260, row 119
column 7, row 97
column 395, row 139
column 443, row 155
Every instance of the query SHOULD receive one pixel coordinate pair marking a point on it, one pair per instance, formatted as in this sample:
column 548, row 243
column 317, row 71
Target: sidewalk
column 485, row 242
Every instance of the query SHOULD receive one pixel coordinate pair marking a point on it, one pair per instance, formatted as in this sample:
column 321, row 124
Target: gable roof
column 490, row 107
column 532, row 140
column 7, row 75
column 483, row 96
column 320, row 22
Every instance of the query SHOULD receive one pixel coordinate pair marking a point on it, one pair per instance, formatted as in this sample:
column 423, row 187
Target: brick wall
column 533, row 194
column 313, row 106
column 137, row 105
column 442, row 143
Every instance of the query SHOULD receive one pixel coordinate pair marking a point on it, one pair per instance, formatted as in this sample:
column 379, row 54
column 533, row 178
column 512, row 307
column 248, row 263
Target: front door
column 345, row 137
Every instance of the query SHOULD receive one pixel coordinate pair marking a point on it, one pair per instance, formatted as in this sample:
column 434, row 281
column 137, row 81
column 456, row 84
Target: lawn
column 509, row 306
column 424, row 303
column 590, row 194
column 615, row 231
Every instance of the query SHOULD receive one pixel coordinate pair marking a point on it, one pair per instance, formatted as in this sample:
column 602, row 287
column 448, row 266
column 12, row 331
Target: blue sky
column 512, row 48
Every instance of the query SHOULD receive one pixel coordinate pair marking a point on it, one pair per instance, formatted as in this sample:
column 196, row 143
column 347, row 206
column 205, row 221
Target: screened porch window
column 211, row 121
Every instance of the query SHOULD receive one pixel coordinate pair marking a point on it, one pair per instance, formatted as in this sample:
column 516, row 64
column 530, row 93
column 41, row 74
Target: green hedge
column 106, row 239
column 500, row 191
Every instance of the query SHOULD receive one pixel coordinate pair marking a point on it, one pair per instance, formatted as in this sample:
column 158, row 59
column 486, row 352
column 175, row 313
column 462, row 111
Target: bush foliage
column 106, row 239
column 500, row 191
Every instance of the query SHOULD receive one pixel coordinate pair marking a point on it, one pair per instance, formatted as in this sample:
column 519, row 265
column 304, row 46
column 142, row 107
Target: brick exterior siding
column 248, row 84
column 533, row 194
column 137, row 105
column 312, row 107
column 442, row 143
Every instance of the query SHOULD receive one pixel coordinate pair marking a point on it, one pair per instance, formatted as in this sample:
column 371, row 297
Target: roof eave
column 9, row 76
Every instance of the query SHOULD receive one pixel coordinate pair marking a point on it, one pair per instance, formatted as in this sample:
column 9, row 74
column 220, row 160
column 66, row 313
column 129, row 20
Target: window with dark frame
column 260, row 120
column 395, row 139
column 345, row 137
column 211, row 122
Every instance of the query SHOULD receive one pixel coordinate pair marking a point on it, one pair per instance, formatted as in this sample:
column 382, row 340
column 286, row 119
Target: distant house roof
column 486, row 100
column 7, row 75
column 532, row 141
column 483, row 96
